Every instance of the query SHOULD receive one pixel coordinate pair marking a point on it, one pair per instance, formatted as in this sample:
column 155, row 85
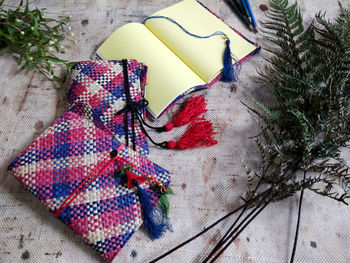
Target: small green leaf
column 4, row 50
column 41, row 51
column 49, row 20
column 54, row 59
column 58, row 37
column 26, row 9
column 27, row 33
column 71, row 64
column 267, row 110
column 164, row 204
column 11, row 31
column 57, row 79
column 20, row 59
column 65, row 20
column 126, row 167
column 169, row 191
column 36, row 26
column 56, row 47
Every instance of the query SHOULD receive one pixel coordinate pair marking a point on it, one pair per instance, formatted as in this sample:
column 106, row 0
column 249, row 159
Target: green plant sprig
column 308, row 76
column 304, row 130
column 35, row 39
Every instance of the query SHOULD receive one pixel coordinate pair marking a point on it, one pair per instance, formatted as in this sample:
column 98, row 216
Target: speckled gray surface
column 207, row 182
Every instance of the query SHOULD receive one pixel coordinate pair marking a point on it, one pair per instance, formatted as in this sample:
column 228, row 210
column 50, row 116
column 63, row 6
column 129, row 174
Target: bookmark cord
column 162, row 144
column 128, row 102
column 136, row 116
column 200, row 132
column 133, row 108
column 217, row 33
column 157, row 129
column 228, row 73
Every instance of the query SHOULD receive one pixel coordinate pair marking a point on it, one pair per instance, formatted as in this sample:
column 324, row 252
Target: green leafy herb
column 164, row 200
column 309, row 123
column 122, row 172
column 34, row 39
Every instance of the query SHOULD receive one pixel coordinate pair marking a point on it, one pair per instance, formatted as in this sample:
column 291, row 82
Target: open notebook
column 177, row 62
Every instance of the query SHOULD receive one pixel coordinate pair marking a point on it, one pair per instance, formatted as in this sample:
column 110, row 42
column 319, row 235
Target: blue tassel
column 154, row 219
column 228, row 72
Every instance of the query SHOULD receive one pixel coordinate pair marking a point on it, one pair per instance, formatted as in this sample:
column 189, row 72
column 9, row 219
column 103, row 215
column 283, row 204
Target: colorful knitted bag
column 77, row 166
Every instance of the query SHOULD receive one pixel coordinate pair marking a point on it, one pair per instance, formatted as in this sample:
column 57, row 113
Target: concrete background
column 207, row 182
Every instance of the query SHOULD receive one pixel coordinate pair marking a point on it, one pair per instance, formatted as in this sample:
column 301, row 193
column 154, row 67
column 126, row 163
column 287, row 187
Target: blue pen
column 246, row 10
column 247, row 4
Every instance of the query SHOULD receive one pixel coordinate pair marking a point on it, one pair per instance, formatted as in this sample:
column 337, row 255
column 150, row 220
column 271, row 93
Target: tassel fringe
column 154, row 219
column 190, row 110
column 228, row 74
column 195, row 106
column 199, row 134
column 131, row 177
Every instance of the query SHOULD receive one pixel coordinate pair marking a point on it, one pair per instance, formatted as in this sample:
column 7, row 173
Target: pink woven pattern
column 106, row 213
column 100, row 85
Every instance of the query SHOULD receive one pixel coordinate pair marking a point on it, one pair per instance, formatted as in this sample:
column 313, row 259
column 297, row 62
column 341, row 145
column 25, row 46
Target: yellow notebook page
column 167, row 75
column 204, row 56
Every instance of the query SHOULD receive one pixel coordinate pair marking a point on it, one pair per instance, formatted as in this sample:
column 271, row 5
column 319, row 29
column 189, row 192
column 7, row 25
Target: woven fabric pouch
column 72, row 168
column 100, row 85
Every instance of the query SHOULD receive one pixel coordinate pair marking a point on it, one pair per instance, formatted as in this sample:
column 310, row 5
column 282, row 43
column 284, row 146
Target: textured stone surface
column 207, row 182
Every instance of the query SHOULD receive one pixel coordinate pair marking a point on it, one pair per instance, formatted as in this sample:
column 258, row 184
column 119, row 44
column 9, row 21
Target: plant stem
column 294, row 168
column 241, row 230
column 228, row 235
column 207, row 228
column 298, row 223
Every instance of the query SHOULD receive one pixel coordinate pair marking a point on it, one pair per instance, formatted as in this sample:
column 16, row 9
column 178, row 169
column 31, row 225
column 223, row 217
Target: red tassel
column 131, row 176
column 193, row 107
column 200, row 133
